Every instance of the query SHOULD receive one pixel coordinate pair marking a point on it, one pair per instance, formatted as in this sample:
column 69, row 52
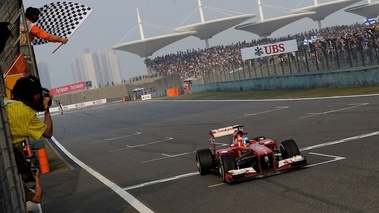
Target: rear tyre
column 227, row 163
column 204, row 161
column 289, row 149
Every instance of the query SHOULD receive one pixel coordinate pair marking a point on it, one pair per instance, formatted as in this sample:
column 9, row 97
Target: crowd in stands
column 192, row 62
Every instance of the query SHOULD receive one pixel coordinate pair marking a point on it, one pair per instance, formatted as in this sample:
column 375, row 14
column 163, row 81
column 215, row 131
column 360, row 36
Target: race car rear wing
column 216, row 133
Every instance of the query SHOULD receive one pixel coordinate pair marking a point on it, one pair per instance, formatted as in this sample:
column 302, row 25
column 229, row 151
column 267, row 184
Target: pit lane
column 147, row 149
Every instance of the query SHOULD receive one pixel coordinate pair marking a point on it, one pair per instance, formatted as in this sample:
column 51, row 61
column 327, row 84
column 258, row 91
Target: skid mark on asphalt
column 336, row 110
column 335, row 158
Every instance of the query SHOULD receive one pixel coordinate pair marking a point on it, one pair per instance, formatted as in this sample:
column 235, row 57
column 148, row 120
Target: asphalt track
column 140, row 157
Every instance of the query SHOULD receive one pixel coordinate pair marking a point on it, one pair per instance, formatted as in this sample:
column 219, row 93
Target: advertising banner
column 68, row 88
column 269, row 49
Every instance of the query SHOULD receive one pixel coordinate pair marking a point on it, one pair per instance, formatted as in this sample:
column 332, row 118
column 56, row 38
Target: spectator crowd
column 192, row 62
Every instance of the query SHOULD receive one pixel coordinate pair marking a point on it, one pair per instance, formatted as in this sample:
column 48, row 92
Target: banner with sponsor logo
column 269, row 49
column 68, row 88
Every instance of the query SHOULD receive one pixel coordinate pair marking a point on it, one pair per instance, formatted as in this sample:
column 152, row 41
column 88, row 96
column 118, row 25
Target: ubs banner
column 269, row 49
column 68, row 88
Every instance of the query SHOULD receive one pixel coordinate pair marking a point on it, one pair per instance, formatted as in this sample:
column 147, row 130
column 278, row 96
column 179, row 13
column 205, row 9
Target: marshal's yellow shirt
column 23, row 122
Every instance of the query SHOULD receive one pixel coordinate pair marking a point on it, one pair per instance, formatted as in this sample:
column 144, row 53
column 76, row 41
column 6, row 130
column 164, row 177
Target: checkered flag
column 61, row 19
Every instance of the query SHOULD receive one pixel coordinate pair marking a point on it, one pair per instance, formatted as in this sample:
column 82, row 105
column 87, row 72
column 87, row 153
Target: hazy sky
column 115, row 21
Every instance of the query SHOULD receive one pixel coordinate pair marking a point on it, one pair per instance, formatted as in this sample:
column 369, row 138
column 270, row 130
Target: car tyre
column 288, row 149
column 204, row 161
column 227, row 162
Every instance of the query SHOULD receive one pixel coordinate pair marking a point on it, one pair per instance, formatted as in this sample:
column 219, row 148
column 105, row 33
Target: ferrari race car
column 244, row 158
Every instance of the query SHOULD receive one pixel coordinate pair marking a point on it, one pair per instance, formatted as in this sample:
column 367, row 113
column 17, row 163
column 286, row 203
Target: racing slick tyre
column 288, row 148
column 204, row 161
column 227, row 163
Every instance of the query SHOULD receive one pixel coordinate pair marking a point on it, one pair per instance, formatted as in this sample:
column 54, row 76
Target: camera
column 46, row 93
column 34, row 170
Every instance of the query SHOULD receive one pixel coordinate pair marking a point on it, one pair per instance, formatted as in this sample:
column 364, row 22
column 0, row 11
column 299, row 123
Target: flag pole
column 57, row 48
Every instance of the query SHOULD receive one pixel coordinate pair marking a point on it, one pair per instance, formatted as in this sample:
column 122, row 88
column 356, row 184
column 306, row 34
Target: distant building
column 101, row 68
column 44, row 75
column 109, row 66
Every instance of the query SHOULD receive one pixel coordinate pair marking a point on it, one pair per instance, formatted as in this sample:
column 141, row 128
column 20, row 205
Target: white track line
column 118, row 190
column 161, row 181
column 335, row 158
column 340, row 141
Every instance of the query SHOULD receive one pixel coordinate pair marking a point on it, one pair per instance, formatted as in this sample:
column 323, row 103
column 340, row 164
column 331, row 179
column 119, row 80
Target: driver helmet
column 245, row 140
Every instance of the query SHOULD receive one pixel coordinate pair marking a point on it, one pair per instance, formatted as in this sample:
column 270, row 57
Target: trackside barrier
column 77, row 105
column 43, row 161
column 173, row 92
column 146, row 97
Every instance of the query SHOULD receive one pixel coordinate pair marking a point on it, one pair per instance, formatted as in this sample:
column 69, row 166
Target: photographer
column 28, row 97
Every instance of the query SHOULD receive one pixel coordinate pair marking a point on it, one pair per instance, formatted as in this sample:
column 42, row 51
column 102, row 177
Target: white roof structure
column 146, row 47
column 324, row 9
column 207, row 29
column 204, row 30
column 370, row 10
column 266, row 27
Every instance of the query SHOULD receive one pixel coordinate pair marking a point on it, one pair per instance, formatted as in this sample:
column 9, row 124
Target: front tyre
column 227, row 163
column 289, row 149
column 204, row 161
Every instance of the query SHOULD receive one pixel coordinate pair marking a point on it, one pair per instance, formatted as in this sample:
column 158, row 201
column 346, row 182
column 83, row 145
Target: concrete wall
column 354, row 77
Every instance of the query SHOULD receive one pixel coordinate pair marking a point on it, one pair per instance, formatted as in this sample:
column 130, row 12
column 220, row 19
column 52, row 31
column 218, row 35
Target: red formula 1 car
column 246, row 158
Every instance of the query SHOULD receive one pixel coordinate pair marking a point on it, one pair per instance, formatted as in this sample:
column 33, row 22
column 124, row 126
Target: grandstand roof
column 207, row 29
column 266, row 27
column 146, row 47
column 370, row 10
column 325, row 9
